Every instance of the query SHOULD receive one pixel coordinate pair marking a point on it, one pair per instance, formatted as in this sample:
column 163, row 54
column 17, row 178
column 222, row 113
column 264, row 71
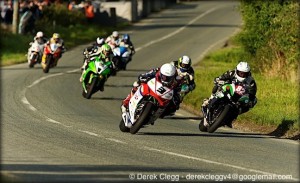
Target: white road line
column 116, row 140
column 211, row 162
column 97, row 135
column 56, row 122
column 177, row 31
column 52, row 121
column 25, row 101
column 75, row 70
column 43, row 78
column 91, row 133
column 213, row 45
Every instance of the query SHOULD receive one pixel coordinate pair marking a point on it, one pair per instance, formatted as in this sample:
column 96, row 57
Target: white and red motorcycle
column 146, row 105
column 35, row 53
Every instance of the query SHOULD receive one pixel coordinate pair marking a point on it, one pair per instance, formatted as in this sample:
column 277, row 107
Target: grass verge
column 276, row 112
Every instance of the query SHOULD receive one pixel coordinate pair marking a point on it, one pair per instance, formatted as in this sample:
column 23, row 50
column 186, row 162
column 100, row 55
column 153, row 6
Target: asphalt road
column 50, row 133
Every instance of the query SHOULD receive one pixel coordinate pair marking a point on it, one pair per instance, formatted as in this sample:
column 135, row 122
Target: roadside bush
column 270, row 34
column 59, row 15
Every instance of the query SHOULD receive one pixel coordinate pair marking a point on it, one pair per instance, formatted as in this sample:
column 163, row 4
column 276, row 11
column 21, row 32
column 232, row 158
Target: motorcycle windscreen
column 53, row 47
column 159, row 90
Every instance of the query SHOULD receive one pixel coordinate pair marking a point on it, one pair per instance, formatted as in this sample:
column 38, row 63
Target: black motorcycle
column 224, row 107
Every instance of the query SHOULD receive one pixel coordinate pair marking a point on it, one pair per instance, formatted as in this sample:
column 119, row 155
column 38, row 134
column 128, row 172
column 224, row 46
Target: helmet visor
column 106, row 53
column 166, row 79
column 186, row 66
column 243, row 74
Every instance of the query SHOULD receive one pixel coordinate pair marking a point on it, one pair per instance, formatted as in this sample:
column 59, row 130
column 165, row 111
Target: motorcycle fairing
column 95, row 69
column 153, row 88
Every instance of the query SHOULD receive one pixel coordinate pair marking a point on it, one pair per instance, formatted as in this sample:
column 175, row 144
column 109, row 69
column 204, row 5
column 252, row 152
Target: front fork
column 205, row 115
column 126, row 120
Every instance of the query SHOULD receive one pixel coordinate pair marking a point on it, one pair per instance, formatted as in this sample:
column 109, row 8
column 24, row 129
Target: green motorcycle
column 94, row 76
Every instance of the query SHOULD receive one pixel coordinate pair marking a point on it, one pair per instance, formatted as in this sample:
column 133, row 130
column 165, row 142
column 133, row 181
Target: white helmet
column 167, row 74
column 115, row 34
column 242, row 71
column 100, row 40
column 184, row 63
column 39, row 34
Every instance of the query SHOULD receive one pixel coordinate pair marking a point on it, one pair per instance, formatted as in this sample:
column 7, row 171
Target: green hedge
column 58, row 15
column 271, row 35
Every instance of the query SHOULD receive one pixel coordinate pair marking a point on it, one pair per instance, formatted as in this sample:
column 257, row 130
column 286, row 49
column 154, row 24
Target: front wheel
column 122, row 127
column 142, row 118
column 90, row 89
column 219, row 120
column 202, row 128
column 46, row 66
column 33, row 59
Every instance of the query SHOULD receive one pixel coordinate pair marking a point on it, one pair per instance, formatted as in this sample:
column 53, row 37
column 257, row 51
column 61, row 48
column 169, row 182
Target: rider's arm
column 226, row 77
column 147, row 76
column 252, row 93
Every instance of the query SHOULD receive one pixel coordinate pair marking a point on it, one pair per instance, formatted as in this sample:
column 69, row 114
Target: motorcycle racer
column 113, row 40
column 60, row 44
column 166, row 74
column 35, row 51
column 241, row 74
column 126, row 42
column 104, row 56
column 39, row 38
column 94, row 50
column 184, row 69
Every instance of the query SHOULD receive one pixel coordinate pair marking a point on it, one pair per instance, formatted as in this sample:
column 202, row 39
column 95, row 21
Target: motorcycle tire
column 142, row 118
column 47, row 64
column 122, row 127
column 90, row 89
column 33, row 60
column 219, row 120
column 202, row 128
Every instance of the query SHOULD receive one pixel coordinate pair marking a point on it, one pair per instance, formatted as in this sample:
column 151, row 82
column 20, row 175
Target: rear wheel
column 142, row 118
column 219, row 119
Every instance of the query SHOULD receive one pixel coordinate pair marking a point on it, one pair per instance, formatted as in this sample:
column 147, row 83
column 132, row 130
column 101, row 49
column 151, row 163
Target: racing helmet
column 167, row 74
column 39, row 37
column 39, row 34
column 184, row 63
column 126, row 38
column 56, row 37
column 242, row 71
column 106, row 49
column 100, row 41
column 115, row 34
